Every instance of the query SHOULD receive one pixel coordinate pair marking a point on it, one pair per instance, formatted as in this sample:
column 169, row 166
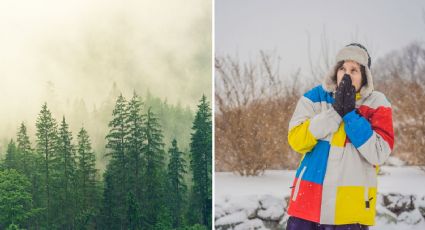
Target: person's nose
column 346, row 72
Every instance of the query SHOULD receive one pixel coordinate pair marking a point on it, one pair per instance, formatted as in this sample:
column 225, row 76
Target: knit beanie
column 352, row 52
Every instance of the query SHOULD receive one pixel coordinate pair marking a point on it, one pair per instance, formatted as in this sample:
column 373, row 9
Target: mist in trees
column 53, row 182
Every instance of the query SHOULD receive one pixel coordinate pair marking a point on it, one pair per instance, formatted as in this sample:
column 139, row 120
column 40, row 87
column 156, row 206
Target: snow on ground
column 404, row 180
column 273, row 182
column 258, row 202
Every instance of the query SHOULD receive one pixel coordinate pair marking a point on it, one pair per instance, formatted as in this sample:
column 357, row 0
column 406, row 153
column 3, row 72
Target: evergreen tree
column 116, row 169
column 12, row 159
column 29, row 169
column 154, row 172
column 133, row 212
column 109, row 216
column 46, row 147
column 135, row 139
column 201, row 162
column 164, row 219
column 15, row 198
column 25, row 151
column 66, row 187
column 176, row 172
column 87, row 180
column 62, row 190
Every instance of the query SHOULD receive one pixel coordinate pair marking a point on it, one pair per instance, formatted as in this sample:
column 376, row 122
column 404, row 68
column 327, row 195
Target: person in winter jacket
column 343, row 128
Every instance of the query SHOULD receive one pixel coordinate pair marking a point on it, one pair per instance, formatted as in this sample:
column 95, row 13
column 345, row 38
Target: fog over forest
column 77, row 56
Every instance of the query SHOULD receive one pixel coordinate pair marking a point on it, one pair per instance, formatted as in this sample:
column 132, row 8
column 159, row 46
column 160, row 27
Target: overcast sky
column 244, row 27
column 76, row 50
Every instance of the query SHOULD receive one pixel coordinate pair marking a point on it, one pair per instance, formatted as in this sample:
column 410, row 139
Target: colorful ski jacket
column 336, row 181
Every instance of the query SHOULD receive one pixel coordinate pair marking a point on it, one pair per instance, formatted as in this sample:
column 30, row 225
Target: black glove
column 345, row 96
column 349, row 99
column 339, row 100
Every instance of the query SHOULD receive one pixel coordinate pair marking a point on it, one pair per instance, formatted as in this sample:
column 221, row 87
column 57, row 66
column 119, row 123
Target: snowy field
column 259, row 202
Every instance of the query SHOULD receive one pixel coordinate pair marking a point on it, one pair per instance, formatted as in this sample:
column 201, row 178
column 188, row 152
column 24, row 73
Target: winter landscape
column 260, row 202
column 267, row 57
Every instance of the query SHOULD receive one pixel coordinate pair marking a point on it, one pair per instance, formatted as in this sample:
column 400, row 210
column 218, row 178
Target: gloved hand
column 345, row 96
column 339, row 100
column 349, row 99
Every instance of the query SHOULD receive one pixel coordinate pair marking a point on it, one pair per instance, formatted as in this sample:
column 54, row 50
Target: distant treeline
column 55, row 183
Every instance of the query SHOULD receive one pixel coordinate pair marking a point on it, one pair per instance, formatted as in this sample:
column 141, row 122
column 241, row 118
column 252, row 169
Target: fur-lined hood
column 356, row 53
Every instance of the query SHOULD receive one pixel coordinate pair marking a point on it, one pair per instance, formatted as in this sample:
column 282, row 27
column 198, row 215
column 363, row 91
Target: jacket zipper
column 297, row 186
column 366, row 197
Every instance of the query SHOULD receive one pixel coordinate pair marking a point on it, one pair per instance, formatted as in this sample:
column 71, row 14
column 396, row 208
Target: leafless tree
column 401, row 76
column 254, row 105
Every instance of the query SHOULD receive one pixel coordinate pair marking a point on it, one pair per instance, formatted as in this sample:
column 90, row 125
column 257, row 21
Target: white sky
column 82, row 47
column 244, row 27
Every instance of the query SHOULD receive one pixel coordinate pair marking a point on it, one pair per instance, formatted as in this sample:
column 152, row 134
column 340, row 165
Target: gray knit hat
column 353, row 52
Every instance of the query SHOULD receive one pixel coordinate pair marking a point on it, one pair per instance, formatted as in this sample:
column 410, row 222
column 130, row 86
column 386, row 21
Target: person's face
column 351, row 68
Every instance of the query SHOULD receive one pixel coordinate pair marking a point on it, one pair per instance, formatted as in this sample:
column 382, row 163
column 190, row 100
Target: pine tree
column 87, row 180
column 135, row 140
column 25, row 151
column 15, row 198
column 66, row 207
column 116, row 169
column 164, row 219
column 133, row 216
column 29, row 169
column 46, row 147
column 154, row 172
column 12, row 159
column 176, row 172
column 136, row 162
column 109, row 216
column 201, row 162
